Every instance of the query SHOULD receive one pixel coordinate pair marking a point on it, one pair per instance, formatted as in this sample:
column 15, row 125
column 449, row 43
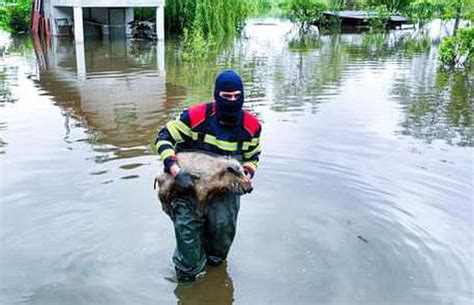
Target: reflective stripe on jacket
column 198, row 129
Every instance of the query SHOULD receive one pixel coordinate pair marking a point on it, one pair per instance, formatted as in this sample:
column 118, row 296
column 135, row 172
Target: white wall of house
column 99, row 10
column 109, row 3
column 129, row 16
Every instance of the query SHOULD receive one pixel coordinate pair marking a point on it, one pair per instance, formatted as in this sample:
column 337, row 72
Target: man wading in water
column 221, row 127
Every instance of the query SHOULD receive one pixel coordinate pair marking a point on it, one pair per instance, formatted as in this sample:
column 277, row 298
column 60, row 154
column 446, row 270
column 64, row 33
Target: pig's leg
column 220, row 226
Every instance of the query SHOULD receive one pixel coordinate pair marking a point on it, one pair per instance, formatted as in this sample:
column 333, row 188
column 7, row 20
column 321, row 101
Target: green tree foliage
column 452, row 9
column 378, row 18
column 391, row 5
column 265, row 7
column 15, row 15
column 144, row 13
column 458, row 50
column 348, row 4
column 304, row 12
column 203, row 22
column 213, row 17
column 422, row 11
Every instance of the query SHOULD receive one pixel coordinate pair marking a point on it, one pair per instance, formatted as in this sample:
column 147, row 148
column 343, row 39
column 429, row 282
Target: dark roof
column 362, row 15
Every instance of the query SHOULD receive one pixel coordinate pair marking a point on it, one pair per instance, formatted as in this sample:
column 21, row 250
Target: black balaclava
column 228, row 112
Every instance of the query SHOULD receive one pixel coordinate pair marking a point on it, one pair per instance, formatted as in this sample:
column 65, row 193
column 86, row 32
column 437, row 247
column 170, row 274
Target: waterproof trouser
column 206, row 238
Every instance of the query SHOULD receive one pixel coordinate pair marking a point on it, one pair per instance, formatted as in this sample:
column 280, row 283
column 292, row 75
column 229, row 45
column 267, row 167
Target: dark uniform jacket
column 197, row 128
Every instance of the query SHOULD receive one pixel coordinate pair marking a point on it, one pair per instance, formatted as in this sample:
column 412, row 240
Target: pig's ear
column 232, row 170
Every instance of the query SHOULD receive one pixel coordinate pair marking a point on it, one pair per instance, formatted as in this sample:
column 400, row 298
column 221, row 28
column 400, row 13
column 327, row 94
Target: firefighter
column 220, row 127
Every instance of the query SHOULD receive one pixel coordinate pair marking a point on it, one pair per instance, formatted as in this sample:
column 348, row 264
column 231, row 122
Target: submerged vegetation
column 457, row 51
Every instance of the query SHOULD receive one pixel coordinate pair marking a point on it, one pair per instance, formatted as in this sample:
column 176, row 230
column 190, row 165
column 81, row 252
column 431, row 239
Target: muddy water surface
column 364, row 194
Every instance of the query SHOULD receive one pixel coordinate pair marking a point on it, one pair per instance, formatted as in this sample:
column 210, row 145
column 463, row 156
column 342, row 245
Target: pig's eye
column 232, row 170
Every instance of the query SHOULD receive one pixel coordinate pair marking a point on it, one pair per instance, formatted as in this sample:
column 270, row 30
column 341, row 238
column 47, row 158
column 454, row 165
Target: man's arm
column 251, row 153
column 175, row 131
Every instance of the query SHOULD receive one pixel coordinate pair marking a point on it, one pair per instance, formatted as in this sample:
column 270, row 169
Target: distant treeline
column 217, row 17
column 420, row 12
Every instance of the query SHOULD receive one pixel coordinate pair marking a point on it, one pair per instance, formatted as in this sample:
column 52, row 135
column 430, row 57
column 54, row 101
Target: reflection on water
column 123, row 96
column 364, row 194
column 215, row 289
column 438, row 106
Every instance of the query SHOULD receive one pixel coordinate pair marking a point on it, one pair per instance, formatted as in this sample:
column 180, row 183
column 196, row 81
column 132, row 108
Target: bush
column 15, row 15
column 457, row 51
column 378, row 18
column 3, row 17
column 144, row 14
column 391, row 5
column 304, row 12
column 422, row 11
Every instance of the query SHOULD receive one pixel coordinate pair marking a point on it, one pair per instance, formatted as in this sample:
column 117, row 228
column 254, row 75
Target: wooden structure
column 361, row 18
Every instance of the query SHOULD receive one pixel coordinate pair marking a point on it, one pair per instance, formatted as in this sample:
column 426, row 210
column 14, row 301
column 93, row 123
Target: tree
column 305, row 12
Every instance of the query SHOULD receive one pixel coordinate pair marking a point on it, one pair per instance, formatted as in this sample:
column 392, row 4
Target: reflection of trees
column 311, row 76
column 294, row 75
column 460, row 89
column 198, row 76
column 5, row 84
column 5, row 97
column 19, row 46
column 381, row 46
column 315, row 68
column 438, row 108
column 438, row 104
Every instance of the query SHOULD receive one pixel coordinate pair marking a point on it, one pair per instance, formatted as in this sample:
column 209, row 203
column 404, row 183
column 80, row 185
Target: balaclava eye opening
column 228, row 112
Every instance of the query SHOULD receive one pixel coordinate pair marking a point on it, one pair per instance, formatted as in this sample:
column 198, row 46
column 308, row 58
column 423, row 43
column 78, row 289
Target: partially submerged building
column 105, row 17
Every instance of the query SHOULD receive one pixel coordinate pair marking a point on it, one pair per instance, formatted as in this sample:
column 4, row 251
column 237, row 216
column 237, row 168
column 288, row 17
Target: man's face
column 230, row 95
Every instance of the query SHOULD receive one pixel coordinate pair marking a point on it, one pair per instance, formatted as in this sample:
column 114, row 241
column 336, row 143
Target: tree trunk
column 458, row 17
column 456, row 25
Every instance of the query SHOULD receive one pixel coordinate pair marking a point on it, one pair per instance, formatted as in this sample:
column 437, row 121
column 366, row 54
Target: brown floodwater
column 364, row 194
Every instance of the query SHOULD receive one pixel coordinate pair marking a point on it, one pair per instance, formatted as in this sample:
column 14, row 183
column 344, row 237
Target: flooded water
column 364, row 194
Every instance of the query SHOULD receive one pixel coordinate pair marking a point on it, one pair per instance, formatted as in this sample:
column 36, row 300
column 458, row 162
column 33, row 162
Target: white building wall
column 55, row 9
column 109, row 3
column 129, row 16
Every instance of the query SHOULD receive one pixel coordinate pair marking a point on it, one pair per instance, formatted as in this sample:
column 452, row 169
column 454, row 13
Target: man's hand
column 174, row 170
column 184, row 180
column 182, row 177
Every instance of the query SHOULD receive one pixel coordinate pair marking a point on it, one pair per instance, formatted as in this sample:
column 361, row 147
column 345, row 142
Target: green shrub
column 3, row 16
column 144, row 13
column 378, row 18
column 304, row 12
column 422, row 11
column 15, row 15
column 391, row 5
column 457, row 51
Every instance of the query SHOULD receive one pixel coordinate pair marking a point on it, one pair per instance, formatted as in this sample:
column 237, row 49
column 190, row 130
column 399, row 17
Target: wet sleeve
column 251, row 152
column 175, row 131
